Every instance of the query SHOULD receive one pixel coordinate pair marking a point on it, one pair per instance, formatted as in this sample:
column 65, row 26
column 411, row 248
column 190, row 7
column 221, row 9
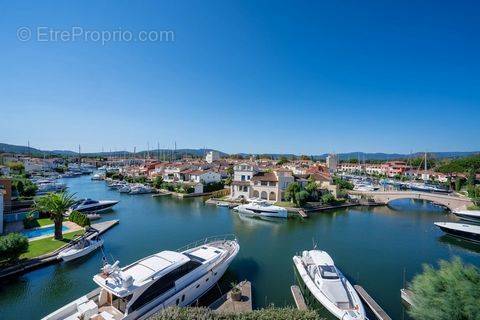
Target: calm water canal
column 372, row 246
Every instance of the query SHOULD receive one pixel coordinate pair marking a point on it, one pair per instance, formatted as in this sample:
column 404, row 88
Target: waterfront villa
column 243, row 173
column 269, row 185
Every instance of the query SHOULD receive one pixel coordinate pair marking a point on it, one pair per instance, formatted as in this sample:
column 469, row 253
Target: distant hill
column 4, row 147
column 10, row 148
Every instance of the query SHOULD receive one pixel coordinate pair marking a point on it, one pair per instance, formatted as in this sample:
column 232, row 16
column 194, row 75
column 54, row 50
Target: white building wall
column 207, row 177
column 212, row 156
column 332, row 162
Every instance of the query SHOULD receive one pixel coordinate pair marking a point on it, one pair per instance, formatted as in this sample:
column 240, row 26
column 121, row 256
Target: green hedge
column 271, row 313
column 79, row 218
column 12, row 246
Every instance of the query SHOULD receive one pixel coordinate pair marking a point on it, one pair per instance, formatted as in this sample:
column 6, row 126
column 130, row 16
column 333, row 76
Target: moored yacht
column 89, row 205
column 140, row 189
column 465, row 231
column 322, row 281
column 125, row 189
column 468, row 215
column 50, row 186
column 262, row 208
column 164, row 279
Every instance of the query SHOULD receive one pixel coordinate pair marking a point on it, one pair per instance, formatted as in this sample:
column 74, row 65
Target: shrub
column 79, row 218
column 157, row 182
column 270, row 313
column 12, row 246
column 343, row 184
column 30, row 221
column 329, row 198
column 24, row 187
column 452, row 292
column 16, row 166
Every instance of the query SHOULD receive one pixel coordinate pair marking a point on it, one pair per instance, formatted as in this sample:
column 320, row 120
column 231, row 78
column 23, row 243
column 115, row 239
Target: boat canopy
column 122, row 282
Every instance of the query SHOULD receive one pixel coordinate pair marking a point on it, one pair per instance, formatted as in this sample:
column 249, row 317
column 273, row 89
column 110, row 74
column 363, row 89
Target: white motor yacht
column 469, row 232
column 140, row 189
column 164, row 279
column 50, row 186
column 468, row 215
column 98, row 176
column 125, row 189
column 262, row 208
column 89, row 205
column 116, row 184
column 327, row 285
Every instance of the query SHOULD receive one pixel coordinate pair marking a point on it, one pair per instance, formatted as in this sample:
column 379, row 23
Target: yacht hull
column 473, row 237
column 473, row 216
column 271, row 214
column 68, row 255
column 191, row 292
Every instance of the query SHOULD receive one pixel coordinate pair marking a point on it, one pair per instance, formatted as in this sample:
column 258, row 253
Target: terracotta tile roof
column 241, row 183
column 320, row 177
column 265, row 176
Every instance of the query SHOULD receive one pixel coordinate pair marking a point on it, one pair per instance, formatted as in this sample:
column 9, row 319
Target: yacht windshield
column 89, row 201
column 328, row 272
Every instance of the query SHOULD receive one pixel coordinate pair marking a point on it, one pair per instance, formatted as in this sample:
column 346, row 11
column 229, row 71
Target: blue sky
column 302, row 77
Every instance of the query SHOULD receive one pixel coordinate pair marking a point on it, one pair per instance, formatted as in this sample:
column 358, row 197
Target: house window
column 183, row 298
column 264, row 183
column 243, row 177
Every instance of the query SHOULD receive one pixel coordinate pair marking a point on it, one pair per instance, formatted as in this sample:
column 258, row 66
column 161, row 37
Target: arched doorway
column 263, row 195
column 255, row 194
column 272, row 196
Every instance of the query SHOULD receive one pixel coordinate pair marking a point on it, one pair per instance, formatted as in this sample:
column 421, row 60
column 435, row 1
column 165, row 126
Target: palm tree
column 56, row 204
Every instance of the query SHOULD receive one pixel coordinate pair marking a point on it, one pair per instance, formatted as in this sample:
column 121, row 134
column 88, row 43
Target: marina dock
column 302, row 213
column 51, row 257
column 406, row 296
column 376, row 309
column 298, row 298
column 225, row 304
column 104, row 225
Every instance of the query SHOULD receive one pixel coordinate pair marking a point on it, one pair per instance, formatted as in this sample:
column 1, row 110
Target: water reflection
column 465, row 245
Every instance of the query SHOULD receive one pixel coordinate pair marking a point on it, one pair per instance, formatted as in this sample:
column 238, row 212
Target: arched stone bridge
column 451, row 202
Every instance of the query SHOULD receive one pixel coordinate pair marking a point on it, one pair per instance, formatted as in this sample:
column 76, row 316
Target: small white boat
column 125, row 189
column 81, row 248
column 262, row 208
column 222, row 204
column 468, row 215
column 93, row 216
column 328, row 285
column 98, row 176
